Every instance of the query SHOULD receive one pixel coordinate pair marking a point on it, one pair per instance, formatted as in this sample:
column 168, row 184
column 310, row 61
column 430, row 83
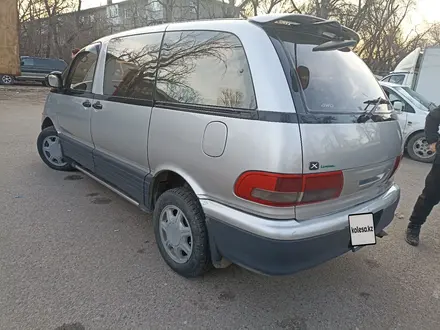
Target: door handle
column 87, row 104
column 97, row 105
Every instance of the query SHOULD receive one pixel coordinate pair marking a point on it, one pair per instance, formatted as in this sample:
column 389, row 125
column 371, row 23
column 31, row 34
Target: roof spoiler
column 329, row 28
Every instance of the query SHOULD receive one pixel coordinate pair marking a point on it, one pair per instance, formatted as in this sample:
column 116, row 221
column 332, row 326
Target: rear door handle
column 87, row 104
column 97, row 105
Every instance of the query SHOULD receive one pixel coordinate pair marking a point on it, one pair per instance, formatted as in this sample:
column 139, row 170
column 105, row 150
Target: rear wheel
column 418, row 148
column 49, row 148
column 6, row 80
column 180, row 230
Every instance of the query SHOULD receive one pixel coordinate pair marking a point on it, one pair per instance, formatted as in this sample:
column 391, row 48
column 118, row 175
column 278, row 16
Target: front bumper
column 277, row 247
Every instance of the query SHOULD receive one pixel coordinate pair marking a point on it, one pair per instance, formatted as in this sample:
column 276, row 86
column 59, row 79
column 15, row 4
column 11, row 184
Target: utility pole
column 9, row 42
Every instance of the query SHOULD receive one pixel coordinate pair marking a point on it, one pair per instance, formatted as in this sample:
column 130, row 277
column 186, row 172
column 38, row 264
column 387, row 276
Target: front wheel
column 49, row 148
column 418, row 148
column 6, row 80
column 181, row 234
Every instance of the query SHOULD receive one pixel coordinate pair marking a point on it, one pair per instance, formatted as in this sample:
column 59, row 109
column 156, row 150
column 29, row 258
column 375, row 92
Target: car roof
column 209, row 24
column 236, row 24
column 42, row 58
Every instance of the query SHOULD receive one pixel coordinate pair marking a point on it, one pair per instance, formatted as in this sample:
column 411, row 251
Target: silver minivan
column 263, row 142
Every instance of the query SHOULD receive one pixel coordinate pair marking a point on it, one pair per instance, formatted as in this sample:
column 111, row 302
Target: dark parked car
column 34, row 69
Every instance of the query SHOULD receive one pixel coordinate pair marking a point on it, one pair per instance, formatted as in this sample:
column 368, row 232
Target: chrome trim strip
column 116, row 191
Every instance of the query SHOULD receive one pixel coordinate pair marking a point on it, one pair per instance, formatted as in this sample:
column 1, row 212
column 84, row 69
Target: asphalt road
column 73, row 253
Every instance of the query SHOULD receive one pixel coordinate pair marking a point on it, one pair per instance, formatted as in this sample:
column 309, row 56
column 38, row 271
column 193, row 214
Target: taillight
column 289, row 189
column 396, row 165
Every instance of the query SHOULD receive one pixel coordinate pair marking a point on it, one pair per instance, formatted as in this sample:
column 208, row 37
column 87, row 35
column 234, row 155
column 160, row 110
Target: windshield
column 418, row 99
column 334, row 81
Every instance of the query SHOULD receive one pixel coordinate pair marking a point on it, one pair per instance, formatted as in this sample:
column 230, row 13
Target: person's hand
column 432, row 147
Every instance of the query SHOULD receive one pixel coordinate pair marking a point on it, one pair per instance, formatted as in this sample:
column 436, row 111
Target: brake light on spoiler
column 284, row 190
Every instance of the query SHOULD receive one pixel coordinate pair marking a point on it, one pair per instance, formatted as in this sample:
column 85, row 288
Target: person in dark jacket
column 430, row 196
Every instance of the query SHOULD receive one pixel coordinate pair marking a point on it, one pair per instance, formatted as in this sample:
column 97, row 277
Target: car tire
column 418, row 150
column 6, row 80
column 50, row 150
column 198, row 261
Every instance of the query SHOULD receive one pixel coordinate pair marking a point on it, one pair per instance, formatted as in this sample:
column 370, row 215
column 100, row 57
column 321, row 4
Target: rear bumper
column 285, row 247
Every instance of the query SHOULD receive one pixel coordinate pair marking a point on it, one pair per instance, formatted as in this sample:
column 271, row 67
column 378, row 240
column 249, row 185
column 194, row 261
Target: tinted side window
column 82, row 71
column 398, row 79
column 130, row 66
column 41, row 63
column 27, row 61
column 394, row 97
column 408, row 108
column 205, row 68
column 50, row 64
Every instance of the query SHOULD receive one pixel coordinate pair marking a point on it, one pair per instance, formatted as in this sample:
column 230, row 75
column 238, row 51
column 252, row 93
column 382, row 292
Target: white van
column 420, row 71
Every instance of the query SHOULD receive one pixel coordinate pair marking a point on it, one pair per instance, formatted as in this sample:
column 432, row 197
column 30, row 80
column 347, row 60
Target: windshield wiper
column 376, row 103
column 369, row 113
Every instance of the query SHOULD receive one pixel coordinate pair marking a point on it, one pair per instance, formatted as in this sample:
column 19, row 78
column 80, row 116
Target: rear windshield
column 336, row 81
column 59, row 65
column 52, row 64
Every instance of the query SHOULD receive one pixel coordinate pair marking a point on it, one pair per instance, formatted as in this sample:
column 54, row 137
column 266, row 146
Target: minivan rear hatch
column 351, row 140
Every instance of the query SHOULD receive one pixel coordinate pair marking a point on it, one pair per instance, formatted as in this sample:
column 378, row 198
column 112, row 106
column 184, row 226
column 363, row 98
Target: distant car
column 412, row 109
column 34, row 69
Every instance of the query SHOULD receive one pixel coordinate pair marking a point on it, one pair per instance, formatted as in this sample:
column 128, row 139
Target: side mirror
column 398, row 106
column 54, row 80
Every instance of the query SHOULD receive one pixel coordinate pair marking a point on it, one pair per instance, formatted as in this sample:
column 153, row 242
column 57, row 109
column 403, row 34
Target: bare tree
column 231, row 98
column 40, row 24
column 254, row 7
column 434, row 34
column 383, row 39
column 380, row 23
column 46, row 29
column 51, row 28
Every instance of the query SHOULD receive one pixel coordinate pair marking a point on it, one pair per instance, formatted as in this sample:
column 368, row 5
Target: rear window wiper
column 367, row 114
column 376, row 103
